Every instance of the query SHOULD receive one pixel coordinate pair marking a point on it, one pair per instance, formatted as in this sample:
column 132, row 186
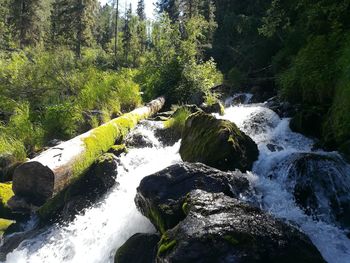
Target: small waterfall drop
column 95, row 235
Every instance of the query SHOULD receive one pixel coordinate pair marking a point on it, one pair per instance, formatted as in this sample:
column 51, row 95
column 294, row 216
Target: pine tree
column 30, row 20
column 141, row 10
column 73, row 23
column 172, row 7
column 127, row 33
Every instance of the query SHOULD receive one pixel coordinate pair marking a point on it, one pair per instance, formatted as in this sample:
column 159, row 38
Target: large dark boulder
column 140, row 248
column 218, row 228
column 321, row 185
column 161, row 196
column 217, row 143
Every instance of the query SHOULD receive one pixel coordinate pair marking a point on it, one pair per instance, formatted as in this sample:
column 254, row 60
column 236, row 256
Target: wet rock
column 137, row 139
column 217, row 107
column 274, row 147
column 283, row 108
column 74, row 206
column 11, row 242
column 217, row 143
column 118, row 149
column 140, row 248
column 167, row 136
column 261, row 121
column 218, row 228
column 197, row 98
column 321, row 186
column 161, row 196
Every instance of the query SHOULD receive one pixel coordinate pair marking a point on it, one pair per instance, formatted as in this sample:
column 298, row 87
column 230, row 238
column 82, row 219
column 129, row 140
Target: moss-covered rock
column 5, row 194
column 4, row 224
column 217, row 143
column 140, row 248
column 223, row 229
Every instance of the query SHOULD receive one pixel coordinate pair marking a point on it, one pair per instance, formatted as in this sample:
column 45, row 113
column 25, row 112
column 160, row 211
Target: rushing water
column 95, row 235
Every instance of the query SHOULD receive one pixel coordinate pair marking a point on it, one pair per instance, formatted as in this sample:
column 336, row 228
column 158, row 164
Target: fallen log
column 43, row 177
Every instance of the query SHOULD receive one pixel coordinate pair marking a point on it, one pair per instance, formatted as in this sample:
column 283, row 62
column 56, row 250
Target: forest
column 64, row 60
column 212, row 131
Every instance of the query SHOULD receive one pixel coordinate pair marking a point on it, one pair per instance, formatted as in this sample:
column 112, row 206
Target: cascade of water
column 95, row 235
column 271, row 178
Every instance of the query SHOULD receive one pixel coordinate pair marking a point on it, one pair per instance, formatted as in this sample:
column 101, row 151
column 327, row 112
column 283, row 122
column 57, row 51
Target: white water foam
column 276, row 197
column 95, row 235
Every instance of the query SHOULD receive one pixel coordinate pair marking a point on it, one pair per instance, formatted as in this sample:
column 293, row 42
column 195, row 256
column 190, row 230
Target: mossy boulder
column 5, row 224
column 140, row 248
column 162, row 196
column 217, row 143
column 5, row 194
column 218, row 228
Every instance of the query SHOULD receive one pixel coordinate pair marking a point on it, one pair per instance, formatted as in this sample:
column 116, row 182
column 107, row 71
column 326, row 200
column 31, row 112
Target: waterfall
column 95, row 235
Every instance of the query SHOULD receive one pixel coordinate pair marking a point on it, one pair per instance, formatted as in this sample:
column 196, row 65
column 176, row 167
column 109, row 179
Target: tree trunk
column 43, row 177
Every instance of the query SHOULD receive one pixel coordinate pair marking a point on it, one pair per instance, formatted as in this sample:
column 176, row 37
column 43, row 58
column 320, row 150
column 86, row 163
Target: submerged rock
column 137, row 139
column 217, row 143
column 140, row 248
column 321, row 186
column 218, row 228
column 161, row 196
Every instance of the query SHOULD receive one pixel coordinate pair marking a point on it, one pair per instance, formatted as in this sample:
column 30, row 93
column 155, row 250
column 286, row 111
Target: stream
column 95, row 235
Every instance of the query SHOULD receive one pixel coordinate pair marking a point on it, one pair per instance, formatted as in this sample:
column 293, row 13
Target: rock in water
column 321, row 186
column 161, row 196
column 222, row 229
column 140, row 248
column 217, row 143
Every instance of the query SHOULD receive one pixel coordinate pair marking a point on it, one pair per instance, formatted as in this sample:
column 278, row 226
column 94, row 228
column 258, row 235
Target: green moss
column 165, row 245
column 217, row 143
column 52, row 206
column 156, row 219
column 230, row 239
column 5, row 194
column 185, row 208
column 118, row 149
column 177, row 122
column 4, row 224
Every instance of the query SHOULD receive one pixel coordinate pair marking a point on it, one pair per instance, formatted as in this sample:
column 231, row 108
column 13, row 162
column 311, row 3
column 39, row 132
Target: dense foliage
column 68, row 65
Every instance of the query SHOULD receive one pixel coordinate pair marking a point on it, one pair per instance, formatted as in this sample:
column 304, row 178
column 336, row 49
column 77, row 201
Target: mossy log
column 47, row 174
